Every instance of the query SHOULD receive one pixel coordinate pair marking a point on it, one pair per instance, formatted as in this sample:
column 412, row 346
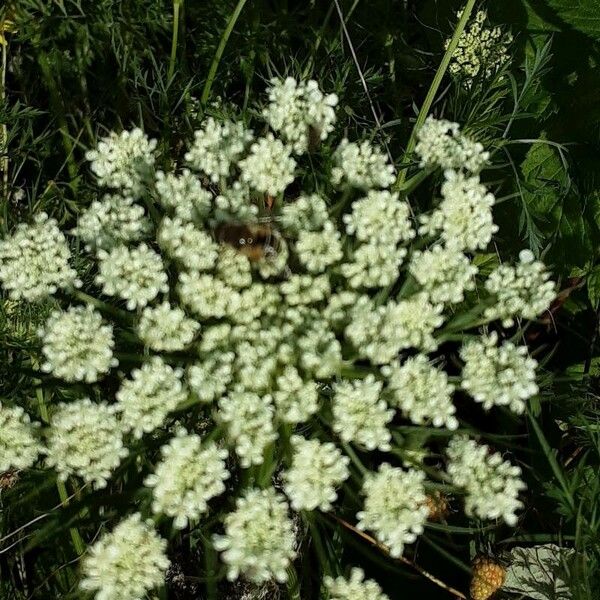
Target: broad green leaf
column 593, row 286
column 583, row 15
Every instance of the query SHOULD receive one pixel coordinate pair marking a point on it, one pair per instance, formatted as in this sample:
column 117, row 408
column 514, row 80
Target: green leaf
column 554, row 206
column 593, row 287
column 583, row 15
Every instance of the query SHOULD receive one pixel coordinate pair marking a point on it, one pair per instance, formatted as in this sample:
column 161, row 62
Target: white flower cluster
column 111, row 221
column 360, row 414
column 307, row 213
column 85, row 439
column 268, row 168
column 317, row 470
column 464, row 216
column 145, row 400
column 298, row 109
column 127, row 562
column 249, row 421
column 481, row 50
column 394, row 507
column 183, row 195
column 34, row 260
column 188, row 476
column 216, row 147
column 440, row 143
column 444, row 274
column 422, row 392
column 361, row 165
column 295, row 398
column 523, row 291
column 124, row 161
column 259, row 537
column 77, row 345
column 135, row 275
column 193, row 248
column 492, row 484
column 166, row 328
column 379, row 333
column 19, row 448
column 498, row 375
column 353, row 588
column 318, row 250
column 206, row 296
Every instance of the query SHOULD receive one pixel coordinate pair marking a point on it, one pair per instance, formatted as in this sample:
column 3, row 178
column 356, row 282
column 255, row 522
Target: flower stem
column 176, row 6
column 435, row 84
column 219, row 53
column 76, row 538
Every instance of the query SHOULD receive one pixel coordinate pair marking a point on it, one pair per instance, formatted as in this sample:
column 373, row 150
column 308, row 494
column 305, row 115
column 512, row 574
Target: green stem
column 174, row 39
column 435, row 84
column 219, row 53
column 76, row 538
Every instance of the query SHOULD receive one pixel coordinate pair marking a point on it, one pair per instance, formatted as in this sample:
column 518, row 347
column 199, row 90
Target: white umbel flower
column 320, row 351
column 491, row 483
column 206, row 296
column 268, row 168
column 444, row 273
column 259, row 538
column 85, row 439
column 379, row 333
column 394, row 507
column 354, row 588
column 361, row 165
column 216, row 147
column 210, row 378
column 188, row 476
column 440, row 143
column 152, row 392
column 524, row 291
column 360, row 415
column 380, row 217
column 295, row 109
column 464, row 216
column 498, row 375
column 193, row 248
column 127, row 562
column 481, row 51
column 422, row 392
column 34, row 260
column 166, row 328
column 305, row 289
column 373, row 265
column 183, row 195
column 317, row 470
column 318, row 250
column 307, row 213
column 19, row 448
column 296, row 400
column 135, row 275
column 123, row 161
column 234, row 268
column 112, row 221
column 77, row 345
column 249, row 421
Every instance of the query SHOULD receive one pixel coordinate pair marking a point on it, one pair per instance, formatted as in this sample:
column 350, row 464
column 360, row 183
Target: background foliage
column 74, row 69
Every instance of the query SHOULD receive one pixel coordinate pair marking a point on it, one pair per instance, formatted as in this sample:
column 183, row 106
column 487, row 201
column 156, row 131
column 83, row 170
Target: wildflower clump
column 261, row 339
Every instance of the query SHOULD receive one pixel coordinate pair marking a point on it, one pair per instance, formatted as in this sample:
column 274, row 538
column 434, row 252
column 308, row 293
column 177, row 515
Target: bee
column 255, row 241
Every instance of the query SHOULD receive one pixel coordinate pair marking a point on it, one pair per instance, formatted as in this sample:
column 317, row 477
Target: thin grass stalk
column 4, row 137
column 219, row 53
column 177, row 4
column 433, row 88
